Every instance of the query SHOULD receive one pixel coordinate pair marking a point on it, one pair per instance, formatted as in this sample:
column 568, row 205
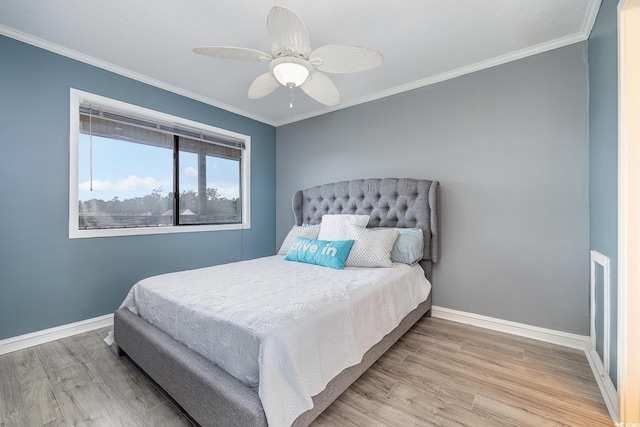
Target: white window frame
column 76, row 98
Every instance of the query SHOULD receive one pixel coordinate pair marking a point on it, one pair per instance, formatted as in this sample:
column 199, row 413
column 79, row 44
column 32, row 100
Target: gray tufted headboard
column 391, row 202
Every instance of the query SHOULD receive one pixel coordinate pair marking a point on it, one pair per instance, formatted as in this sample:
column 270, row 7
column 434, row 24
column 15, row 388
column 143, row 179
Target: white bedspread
column 283, row 327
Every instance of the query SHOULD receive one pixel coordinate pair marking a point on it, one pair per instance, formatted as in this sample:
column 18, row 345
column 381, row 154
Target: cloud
column 229, row 192
column 130, row 183
column 190, row 171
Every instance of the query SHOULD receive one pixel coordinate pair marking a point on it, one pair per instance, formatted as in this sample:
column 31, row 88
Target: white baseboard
column 580, row 342
column 608, row 390
column 548, row 335
column 40, row 337
column 566, row 339
column 609, row 393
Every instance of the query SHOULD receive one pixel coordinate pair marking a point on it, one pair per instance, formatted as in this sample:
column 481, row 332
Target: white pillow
column 308, row 231
column 372, row 248
column 336, row 227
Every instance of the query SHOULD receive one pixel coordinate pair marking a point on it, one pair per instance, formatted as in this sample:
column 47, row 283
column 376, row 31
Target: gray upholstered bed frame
column 210, row 395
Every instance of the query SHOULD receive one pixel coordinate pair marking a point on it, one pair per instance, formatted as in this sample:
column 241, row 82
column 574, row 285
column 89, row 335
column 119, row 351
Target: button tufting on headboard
column 390, row 202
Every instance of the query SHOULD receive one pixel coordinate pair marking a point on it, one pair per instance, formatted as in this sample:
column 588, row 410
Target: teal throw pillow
column 327, row 253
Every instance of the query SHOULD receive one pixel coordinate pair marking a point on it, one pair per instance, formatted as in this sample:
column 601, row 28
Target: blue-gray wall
column 46, row 279
column 510, row 147
column 603, row 152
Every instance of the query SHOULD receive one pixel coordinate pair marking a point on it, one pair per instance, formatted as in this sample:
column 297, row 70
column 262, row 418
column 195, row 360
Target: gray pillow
column 409, row 246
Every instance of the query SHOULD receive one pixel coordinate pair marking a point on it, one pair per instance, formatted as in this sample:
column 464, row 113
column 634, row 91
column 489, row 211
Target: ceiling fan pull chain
column 90, row 150
column 291, row 89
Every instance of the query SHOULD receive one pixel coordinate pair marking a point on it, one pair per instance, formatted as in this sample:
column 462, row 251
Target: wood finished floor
column 439, row 374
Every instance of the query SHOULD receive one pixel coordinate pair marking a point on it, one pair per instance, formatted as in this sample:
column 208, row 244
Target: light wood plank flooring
column 439, row 374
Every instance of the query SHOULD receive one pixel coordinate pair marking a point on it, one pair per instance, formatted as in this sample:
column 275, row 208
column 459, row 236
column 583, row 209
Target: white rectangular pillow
column 336, row 226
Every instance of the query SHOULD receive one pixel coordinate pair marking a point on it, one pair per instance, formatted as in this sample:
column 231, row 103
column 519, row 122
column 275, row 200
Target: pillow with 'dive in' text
column 326, row 253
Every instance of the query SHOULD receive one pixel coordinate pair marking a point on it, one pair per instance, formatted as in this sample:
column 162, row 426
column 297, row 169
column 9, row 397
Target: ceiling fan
column 293, row 64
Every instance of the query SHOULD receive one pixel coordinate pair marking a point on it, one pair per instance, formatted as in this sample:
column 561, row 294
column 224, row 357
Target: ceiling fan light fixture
column 290, row 71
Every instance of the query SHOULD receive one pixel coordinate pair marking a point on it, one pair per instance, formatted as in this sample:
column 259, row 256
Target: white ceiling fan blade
column 287, row 30
column 322, row 89
column 344, row 59
column 263, row 85
column 239, row 53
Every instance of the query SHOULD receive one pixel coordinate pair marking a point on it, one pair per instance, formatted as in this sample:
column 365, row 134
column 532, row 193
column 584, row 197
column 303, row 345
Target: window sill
column 116, row 232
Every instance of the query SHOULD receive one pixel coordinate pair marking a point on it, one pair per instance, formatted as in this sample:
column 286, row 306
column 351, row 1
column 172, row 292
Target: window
column 138, row 171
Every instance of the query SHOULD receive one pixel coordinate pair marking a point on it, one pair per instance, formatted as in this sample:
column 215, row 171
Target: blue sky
column 128, row 170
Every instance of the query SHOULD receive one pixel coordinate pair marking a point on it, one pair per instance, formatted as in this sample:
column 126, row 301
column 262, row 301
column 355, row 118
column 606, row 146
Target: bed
column 212, row 396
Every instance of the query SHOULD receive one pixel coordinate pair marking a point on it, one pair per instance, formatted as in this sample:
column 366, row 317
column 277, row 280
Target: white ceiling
column 422, row 41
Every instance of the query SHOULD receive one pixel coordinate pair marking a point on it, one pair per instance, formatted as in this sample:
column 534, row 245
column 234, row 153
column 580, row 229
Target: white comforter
column 283, row 327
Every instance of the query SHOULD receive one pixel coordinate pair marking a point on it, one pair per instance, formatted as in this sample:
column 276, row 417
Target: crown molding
column 590, row 17
column 592, row 12
column 468, row 69
column 125, row 72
